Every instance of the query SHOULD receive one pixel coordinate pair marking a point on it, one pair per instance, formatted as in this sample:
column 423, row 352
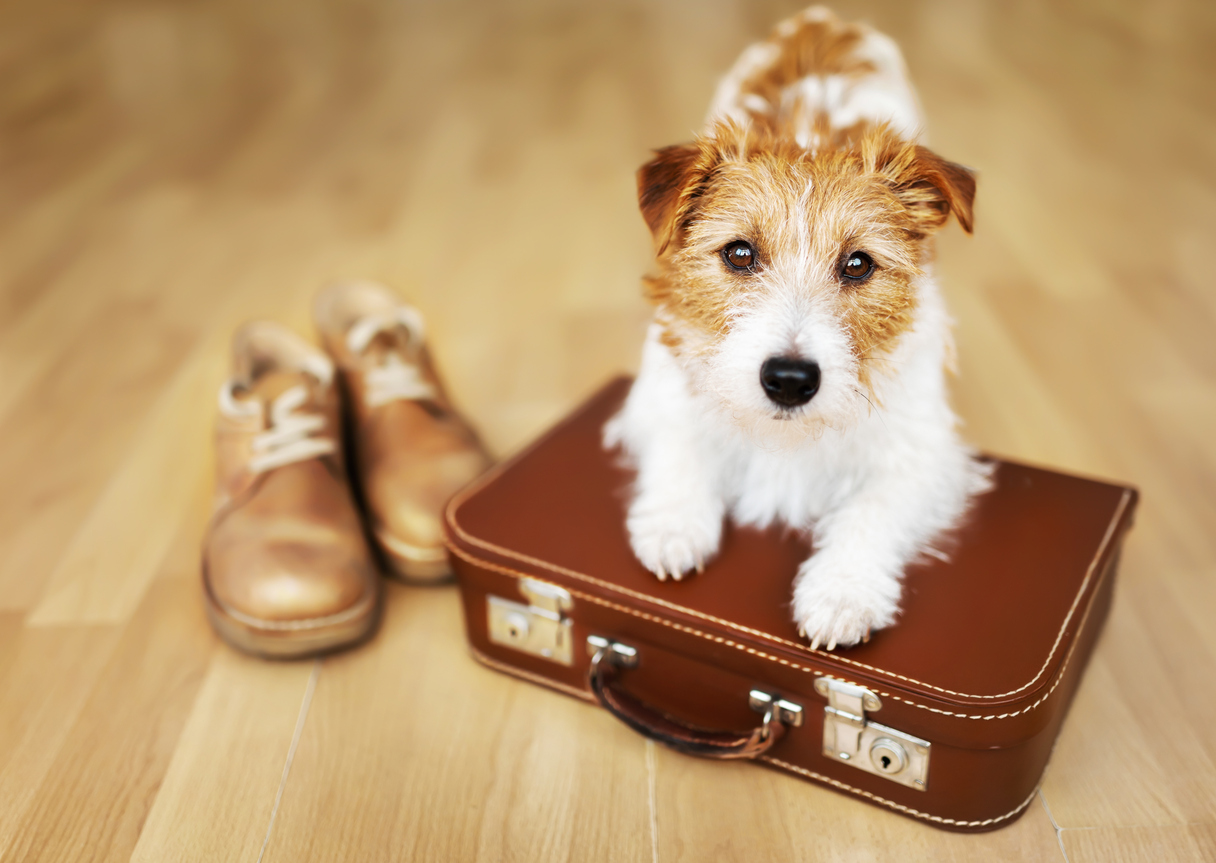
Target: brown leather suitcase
column 948, row 716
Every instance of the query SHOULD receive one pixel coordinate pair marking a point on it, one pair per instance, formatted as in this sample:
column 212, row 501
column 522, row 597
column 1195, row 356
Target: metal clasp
column 851, row 737
column 786, row 711
column 541, row 628
column 620, row 655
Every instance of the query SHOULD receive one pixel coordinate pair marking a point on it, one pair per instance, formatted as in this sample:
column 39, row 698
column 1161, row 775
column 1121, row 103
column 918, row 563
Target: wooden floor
column 168, row 170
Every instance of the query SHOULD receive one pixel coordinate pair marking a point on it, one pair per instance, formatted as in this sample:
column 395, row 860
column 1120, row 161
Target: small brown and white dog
column 795, row 369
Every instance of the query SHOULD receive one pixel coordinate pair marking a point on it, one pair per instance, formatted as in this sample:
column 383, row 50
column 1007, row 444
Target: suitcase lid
column 984, row 635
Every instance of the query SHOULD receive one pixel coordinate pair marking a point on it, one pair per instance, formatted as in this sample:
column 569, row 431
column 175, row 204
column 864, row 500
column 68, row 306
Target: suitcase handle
column 610, row 658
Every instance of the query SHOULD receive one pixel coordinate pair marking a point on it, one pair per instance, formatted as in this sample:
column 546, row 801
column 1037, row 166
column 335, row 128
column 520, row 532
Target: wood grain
column 169, row 170
column 769, row 814
column 48, row 676
column 403, row 760
column 96, row 795
column 1181, row 844
column 219, row 790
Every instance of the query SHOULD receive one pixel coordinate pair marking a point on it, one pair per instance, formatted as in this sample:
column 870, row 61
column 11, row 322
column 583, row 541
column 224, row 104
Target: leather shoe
column 287, row 571
column 411, row 450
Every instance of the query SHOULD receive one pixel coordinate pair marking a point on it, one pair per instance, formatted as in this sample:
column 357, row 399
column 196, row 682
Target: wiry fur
column 809, row 154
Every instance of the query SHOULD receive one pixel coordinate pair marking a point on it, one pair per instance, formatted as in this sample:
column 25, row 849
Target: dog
column 795, row 369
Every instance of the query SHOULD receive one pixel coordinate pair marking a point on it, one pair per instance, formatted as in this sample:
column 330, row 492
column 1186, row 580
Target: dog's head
column 784, row 276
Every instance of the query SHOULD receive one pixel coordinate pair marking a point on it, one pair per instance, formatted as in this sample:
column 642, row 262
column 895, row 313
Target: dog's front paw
column 837, row 604
column 672, row 540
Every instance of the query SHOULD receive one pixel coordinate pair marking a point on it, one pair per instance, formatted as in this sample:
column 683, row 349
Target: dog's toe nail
column 677, row 574
column 815, row 643
column 831, row 644
column 661, row 573
column 700, row 565
column 865, row 639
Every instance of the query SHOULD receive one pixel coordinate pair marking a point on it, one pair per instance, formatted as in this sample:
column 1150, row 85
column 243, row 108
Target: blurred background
column 197, row 163
column 171, row 169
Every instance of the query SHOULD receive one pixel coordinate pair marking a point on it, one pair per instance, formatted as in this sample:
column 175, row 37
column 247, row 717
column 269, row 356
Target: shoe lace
column 292, row 435
column 393, row 377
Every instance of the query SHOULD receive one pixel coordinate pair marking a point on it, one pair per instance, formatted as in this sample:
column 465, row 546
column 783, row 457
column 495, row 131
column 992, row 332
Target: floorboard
column 170, row 170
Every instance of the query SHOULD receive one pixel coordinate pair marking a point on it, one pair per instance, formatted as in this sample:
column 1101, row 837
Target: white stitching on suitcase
column 718, row 639
column 811, row 774
column 460, row 498
column 907, row 810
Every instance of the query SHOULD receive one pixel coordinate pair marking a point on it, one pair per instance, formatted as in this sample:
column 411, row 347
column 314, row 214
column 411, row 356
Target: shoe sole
column 296, row 639
column 414, row 565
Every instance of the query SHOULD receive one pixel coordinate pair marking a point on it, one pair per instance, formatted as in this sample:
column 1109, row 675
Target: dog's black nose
column 789, row 382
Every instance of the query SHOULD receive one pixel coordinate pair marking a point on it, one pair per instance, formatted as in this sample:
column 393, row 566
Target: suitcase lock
column 540, row 628
column 849, row 736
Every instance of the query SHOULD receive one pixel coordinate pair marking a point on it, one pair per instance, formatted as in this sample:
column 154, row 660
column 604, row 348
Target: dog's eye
column 739, row 256
column 857, row 266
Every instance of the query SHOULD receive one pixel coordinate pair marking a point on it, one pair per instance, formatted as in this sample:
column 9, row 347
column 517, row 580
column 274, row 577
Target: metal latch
column 849, row 736
column 620, row 654
column 786, row 711
column 540, row 628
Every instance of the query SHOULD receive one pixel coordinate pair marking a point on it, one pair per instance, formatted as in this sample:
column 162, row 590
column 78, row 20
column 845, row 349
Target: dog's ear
column 668, row 185
column 930, row 187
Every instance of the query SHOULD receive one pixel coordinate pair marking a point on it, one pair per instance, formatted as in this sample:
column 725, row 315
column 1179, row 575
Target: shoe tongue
column 269, row 389
column 271, row 385
column 399, row 329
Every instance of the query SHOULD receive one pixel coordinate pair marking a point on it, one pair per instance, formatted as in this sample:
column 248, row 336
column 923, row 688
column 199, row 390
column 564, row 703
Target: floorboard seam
column 1054, row 825
column 291, row 752
column 652, row 799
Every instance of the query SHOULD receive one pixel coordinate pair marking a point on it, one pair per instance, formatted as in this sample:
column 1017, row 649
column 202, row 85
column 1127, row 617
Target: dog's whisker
column 873, row 407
